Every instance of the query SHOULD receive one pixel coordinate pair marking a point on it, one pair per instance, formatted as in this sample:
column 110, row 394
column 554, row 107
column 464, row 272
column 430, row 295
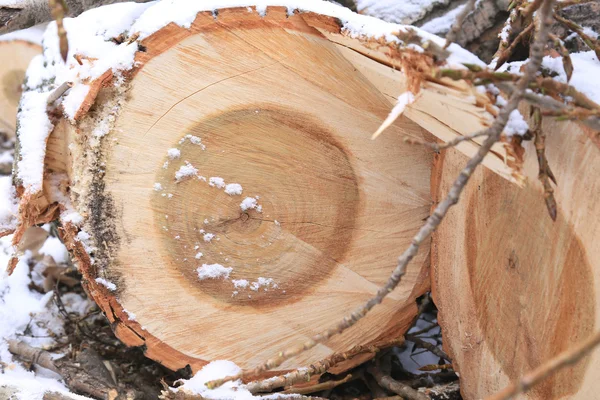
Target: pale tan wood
column 446, row 110
column 514, row 288
column 282, row 112
column 15, row 56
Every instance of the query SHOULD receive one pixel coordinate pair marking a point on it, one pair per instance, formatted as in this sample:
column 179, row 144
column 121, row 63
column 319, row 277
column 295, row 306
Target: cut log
column 243, row 206
column 15, row 56
column 513, row 287
column 222, row 196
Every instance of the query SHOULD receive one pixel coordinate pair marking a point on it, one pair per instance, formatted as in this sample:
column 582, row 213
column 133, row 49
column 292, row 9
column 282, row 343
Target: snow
column 240, row 283
column 215, row 370
column 233, row 189
column 194, row 140
column 216, row 181
column 208, row 237
column 441, row 25
column 34, row 129
column 56, row 249
column 198, row 255
column 173, row 153
column 185, row 171
column 262, row 282
column 213, row 271
column 158, row 187
column 585, row 72
column 130, row 315
column 100, row 54
column 403, row 12
column 32, row 317
column 9, row 206
column 107, row 284
column 74, row 99
column 516, row 124
column 248, row 203
column 33, row 34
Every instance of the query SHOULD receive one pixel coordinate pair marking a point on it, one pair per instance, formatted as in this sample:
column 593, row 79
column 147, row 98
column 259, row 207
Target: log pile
column 216, row 183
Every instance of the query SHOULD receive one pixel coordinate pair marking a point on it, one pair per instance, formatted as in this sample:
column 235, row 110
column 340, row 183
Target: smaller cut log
column 15, row 56
column 513, row 287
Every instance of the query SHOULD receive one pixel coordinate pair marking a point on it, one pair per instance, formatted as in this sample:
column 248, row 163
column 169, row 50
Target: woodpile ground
column 214, row 175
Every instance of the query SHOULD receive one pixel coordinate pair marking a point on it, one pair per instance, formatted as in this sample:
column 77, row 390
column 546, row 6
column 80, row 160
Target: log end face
column 247, row 214
column 531, row 282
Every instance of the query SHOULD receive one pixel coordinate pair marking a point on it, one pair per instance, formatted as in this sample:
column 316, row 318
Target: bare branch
column 389, row 383
column 545, row 174
column 451, row 143
column 32, row 355
column 27, row 13
column 318, row 368
column 549, row 368
column 428, row 346
column 58, row 9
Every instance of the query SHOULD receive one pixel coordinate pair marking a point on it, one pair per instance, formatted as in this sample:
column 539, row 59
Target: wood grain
column 282, row 112
column 15, row 56
column 514, row 288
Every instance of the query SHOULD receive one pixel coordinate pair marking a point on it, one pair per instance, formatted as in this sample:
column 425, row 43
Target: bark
column 27, row 13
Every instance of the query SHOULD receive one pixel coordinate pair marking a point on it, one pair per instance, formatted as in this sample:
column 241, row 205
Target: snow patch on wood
column 213, row 271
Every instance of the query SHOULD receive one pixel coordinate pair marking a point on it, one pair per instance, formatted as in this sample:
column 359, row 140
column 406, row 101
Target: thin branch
column 591, row 43
column 435, row 367
column 505, row 54
column 318, row 387
column 389, row 383
column 545, row 174
column 451, row 143
column 428, row 346
column 58, row 92
column 564, row 53
column 456, row 27
column 27, row 13
column 32, row 355
column 590, row 118
column 318, row 368
column 58, row 9
column 566, row 358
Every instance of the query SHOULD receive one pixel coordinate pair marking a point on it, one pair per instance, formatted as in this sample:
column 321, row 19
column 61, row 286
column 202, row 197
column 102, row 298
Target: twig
column 531, row 8
column 556, row 108
column 549, row 368
column 443, row 146
column 428, row 346
column 58, row 92
column 389, row 383
column 564, row 53
column 318, row 387
column 318, row 368
column 25, row 14
column 58, row 9
column 435, row 367
column 494, row 132
column 456, row 27
column 545, row 174
column 591, row 43
column 32, row 355
column 505, row 54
